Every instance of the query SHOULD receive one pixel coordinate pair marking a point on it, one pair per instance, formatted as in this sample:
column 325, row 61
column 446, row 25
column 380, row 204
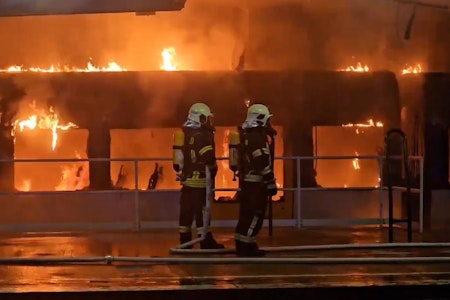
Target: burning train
column 117, row 111
column 330, row 116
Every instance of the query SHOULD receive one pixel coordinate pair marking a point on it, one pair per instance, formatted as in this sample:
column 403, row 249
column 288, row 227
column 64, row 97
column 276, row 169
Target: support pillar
column 436, row 155
column 439, row 53
column 99, row 146
column 10, row 95
column 6, row 153
column 301, row 144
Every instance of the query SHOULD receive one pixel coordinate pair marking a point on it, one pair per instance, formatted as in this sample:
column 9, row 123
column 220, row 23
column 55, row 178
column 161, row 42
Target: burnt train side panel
column 336, row 98
column 425, row 119
column 299, row 100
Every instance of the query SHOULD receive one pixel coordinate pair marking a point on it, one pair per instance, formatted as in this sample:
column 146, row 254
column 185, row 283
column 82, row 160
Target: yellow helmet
column 259, row 114
column 199, row 113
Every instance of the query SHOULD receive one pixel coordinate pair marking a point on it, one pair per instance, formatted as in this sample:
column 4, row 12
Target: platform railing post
column 380, row 190
column 298, row 196
column 389, row 182
column 421, row 195
column 136, row 197
column 210, row 189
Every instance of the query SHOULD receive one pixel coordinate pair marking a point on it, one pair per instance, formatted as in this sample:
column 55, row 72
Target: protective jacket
column 198, row 151
column 256, row 161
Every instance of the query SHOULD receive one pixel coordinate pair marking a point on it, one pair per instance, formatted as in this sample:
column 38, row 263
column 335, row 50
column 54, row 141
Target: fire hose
column 109, row 259
column 181, row 249
column 206, row 215
column 326, row 247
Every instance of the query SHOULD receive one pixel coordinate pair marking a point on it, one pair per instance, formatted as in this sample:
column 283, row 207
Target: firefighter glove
column 272, row 187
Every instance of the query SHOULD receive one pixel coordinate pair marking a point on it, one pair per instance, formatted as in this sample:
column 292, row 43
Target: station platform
column 251, row 280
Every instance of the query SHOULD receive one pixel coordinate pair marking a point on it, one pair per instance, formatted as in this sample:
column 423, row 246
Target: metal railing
column 297, row 189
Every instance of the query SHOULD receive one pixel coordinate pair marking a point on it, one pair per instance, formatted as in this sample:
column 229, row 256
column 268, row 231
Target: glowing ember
column 90, row 67
column 359, row 68
column 412, row 69
column 355, row 162
column 43, row 120
column 370, row 123
column 74, row 177
column 168, row 56
column 26, row 186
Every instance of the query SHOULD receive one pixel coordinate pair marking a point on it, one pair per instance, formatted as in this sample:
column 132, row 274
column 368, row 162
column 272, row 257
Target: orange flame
column 26, row 186
column 370, row 123
column 359, row 68
column 168, row 56
column 74, row 177
column 412, row 69
column 90, row 67
column 43, row 120
column 355, row 162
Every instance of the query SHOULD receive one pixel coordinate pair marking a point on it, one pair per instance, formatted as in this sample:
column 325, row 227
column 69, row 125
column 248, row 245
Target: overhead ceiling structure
column 69, row 7
column 439, row 4
column 143, row 7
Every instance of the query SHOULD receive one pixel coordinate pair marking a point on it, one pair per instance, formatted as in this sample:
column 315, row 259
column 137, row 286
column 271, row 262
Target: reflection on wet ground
column 19, row 279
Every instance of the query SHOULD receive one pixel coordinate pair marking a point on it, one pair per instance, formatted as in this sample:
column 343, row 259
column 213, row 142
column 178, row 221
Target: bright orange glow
column 412, row 69
column 25, row 186
column 43, row 120
column 90, row 67
column 168, row 56
column 74, row 177
column 355, row 162
column 370, row 123
column 358, row 68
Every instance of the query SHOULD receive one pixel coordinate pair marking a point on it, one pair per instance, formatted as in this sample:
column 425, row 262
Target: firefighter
column 198, row 151
column 257, row 180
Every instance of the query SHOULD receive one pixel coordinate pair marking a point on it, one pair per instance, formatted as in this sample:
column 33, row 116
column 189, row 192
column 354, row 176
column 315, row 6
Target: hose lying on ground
column 317, row 247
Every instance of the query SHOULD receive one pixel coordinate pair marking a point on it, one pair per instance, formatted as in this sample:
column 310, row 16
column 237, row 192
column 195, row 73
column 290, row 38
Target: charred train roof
column 162, row 99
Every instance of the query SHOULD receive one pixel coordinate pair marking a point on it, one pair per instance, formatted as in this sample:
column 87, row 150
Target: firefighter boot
column 210, row 243
column 184, row 238
column 248, row 250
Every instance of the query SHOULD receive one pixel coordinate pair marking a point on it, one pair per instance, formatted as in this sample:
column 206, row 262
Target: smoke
column 272, row 35
column 201, row 34
column 335, row 34
column 279, row 35
column 10, row 98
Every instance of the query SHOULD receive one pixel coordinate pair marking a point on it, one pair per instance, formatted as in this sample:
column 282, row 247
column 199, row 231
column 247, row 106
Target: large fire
column 74, row 177
column 42, row 119
column 359, row 128
column 168, row 64
column 358, row 68
column 168, row 56
column 412, row 69
column 90, row 67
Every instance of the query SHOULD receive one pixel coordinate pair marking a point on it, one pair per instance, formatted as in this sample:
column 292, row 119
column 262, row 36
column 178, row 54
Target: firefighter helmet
column 200, row 113
column 258, row 113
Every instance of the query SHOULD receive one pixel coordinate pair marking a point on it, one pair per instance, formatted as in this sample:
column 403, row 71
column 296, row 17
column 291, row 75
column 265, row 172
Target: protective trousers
column 253, row 200
column 192, row 203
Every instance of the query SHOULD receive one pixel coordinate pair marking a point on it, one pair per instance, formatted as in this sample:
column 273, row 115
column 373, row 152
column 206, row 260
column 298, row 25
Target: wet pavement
column 258, row 280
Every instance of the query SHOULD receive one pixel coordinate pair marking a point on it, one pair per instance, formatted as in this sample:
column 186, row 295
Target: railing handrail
column 147, row 159
column 297, row 189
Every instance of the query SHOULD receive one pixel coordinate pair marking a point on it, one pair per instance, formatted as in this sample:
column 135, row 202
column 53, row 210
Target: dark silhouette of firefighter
column 251, row 156
column 194, row 149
